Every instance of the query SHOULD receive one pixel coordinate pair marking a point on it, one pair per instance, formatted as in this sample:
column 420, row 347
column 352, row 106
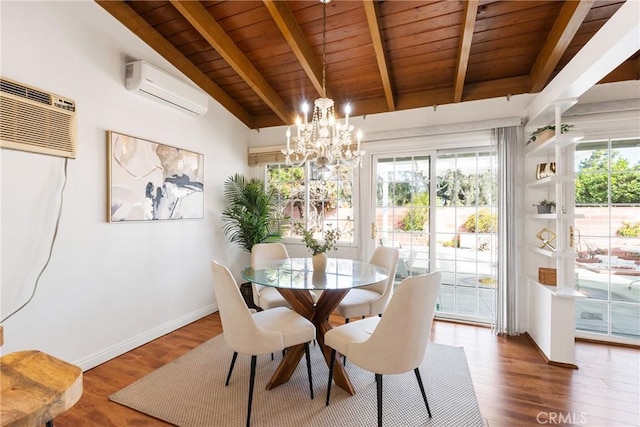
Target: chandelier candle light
column 324, row 138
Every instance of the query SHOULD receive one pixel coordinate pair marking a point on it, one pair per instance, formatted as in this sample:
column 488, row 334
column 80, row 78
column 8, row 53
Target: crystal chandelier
column 324, row 138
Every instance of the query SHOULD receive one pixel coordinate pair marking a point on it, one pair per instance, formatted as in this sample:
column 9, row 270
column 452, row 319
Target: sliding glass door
column 466, row 226
column 438, row 209
column 402, row 210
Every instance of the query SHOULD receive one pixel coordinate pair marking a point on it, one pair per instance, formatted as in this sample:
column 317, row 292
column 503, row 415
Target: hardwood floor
column 513, row 384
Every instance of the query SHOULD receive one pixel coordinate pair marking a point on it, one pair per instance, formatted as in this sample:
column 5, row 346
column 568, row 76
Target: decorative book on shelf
column 548, row 276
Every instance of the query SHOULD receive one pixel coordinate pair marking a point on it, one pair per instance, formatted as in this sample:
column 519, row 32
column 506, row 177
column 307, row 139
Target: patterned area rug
column 190, row 392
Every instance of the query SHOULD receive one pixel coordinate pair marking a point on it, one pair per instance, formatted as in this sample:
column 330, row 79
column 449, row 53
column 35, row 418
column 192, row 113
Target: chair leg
column 379, row 392
column 344, row 358
column 306, row 350
column 424, row 395
column 252, row 378
column 233, row 363
column 331, row 364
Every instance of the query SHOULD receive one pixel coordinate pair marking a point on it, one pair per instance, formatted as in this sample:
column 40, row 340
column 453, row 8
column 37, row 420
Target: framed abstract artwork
column 151, row 181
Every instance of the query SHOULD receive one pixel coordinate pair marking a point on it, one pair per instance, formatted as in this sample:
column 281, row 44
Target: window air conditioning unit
column 37, row 121
column 153, row 83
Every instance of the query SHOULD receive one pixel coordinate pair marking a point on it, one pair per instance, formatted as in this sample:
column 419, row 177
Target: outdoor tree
column 411, row 190
column 403, row 188
column 456, row 188
column 324, row 194
column 418, row 214
column 592, row 183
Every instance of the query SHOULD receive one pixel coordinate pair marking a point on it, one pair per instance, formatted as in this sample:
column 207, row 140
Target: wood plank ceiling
column 262, row 59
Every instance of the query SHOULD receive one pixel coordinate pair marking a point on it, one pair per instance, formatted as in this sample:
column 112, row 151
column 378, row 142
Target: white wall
column 108, row 287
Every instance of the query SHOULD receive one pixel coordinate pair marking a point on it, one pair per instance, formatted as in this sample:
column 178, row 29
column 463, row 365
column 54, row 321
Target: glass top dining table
column 298, row 273
column 294, row 278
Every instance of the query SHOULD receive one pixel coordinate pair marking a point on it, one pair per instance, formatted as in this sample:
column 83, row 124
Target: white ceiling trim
column 617, row 40
column 452, row 128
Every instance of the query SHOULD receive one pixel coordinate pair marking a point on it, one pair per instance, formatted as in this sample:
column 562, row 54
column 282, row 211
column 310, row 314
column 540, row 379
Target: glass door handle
column 374, row 230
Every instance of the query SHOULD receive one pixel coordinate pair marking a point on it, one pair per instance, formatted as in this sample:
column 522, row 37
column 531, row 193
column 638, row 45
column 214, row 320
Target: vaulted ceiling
column 262, row 59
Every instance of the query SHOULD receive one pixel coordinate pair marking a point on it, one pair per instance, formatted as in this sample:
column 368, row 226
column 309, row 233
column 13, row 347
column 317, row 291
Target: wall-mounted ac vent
column 153, row 83
column 37, row 121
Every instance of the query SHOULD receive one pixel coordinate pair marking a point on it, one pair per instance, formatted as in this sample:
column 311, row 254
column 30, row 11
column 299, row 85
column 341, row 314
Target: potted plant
column 319, row 248
column 252, row 216
column 546, row 132
column 545, row 206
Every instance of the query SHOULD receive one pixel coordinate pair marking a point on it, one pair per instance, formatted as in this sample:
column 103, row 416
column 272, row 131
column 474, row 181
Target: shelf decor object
column 546, row 236
column 548, row 276
column 545, row 169
column 547, row 132
column 542, row 136
column 545, row 206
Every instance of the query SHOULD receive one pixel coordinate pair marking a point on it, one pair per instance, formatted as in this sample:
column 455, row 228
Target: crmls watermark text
column 558, row 418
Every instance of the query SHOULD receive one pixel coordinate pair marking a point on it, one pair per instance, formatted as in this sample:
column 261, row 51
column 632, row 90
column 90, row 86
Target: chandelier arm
column 302, row 162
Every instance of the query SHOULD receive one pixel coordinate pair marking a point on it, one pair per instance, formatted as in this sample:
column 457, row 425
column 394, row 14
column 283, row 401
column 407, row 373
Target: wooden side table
column 35, row 388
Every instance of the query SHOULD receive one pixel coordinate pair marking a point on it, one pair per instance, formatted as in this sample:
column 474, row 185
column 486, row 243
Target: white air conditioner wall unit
column 154, row 83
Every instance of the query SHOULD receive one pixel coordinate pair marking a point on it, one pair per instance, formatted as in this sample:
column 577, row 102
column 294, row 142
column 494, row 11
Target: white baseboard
column 116, row 350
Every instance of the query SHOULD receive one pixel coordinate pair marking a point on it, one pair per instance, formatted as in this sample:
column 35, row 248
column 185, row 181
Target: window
column 316, row 201
column 607, row 237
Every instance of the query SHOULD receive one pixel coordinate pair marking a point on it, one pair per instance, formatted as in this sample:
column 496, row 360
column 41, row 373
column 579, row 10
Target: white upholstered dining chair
column 257, row 333
column 267, row 297
column 373, row 299
column 395, row 343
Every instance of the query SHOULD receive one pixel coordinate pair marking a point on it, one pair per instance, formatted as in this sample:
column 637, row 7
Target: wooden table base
column 318, row 314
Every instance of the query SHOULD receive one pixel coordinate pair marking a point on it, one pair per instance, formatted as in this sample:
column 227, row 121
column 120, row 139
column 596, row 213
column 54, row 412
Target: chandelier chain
column 324, row 49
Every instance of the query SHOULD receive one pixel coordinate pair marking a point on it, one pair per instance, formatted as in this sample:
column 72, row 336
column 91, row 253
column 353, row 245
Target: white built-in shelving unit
column 551, row 315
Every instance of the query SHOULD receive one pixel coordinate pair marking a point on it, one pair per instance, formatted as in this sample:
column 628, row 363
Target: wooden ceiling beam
column 371, row 11
column 284, row 19
column 130, row 19
column 564, row 29
column 215, row 35
column 466, row 35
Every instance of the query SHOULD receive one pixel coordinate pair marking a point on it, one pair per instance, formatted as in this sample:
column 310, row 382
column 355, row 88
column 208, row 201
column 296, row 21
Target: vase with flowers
column 319, row 248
